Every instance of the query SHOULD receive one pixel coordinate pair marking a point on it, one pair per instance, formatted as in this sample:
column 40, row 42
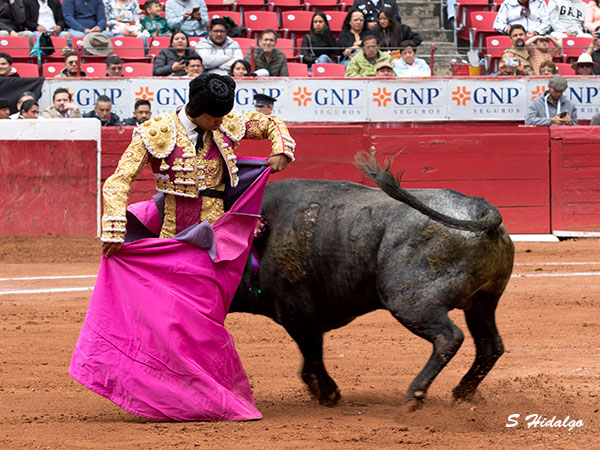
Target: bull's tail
column 390, row 184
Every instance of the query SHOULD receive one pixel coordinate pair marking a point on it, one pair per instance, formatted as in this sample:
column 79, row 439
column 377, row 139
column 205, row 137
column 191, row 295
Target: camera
column 511, row 62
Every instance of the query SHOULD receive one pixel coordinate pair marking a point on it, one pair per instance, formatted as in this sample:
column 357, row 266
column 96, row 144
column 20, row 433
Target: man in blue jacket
column 84, row 16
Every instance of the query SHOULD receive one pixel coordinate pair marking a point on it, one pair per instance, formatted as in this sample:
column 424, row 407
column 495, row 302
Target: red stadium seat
column 287, row 47
column 17, row 47
column 328, row 70
column 257, row 21
column 297, row 69
column 194, row 41
column 336, row 20
column 565, row 69
column 482, row 25
column 235, row 15
column 94, row 69
column 494, row 47
column 215, row 5
column 129, row 48
column 26, row 70
column 462, row 20
column 296, row 22
column 50, row 70
column 245, row 43
column 137, row 70
column 320, row 5
column 76, row 42
column 252, row 5
column 288, row 5
column 574, row 46
column 157, row 44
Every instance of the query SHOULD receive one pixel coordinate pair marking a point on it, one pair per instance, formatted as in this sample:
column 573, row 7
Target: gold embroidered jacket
column 180, row 170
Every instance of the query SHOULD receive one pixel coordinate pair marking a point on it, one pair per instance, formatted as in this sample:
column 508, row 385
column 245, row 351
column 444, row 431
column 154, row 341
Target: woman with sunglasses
column 353, row 31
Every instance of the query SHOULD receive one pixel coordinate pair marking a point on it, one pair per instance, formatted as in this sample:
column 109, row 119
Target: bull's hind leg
column 488, row 343
column 313, row 373
column 446, row 338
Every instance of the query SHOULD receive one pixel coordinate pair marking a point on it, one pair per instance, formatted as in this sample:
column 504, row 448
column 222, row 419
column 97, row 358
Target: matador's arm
column 116, row 190
column 261, row 126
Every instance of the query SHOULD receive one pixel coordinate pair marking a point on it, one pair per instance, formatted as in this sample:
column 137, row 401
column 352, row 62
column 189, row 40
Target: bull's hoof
column 411, row 405
column 331, row 399
column 463, row 393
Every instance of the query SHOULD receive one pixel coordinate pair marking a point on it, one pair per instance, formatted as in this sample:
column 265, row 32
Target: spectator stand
column 157, row 44
column 573, row 47
column 492, row 52
column 252, row 5
column 137, row 70
column 297, row 70
column 328, row 70
column 214, row 5
column 130, row 49
column 26, row 70
column 51, row 69
column 462, row 17
column 289, row 5
column 336, row 20
column 321, row 5
column 17, row 47
column 295, row 24
column 565, row 69
column 482, row 26
column 235, row 15
column 94, row 69
column 245, row 44
column 257, row 21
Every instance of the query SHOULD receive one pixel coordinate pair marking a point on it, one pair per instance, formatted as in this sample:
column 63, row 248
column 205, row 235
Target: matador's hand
column 110, row 248
column 278, row 162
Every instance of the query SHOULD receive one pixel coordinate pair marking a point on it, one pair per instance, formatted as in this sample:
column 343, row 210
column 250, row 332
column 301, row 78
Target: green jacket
column 361, row 67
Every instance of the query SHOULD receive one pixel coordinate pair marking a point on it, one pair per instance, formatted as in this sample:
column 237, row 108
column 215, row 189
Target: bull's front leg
column 314, row 374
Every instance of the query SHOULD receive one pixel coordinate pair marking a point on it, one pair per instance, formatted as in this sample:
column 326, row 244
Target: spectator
column 592, row 16
column 240, row 68
column 509, row 65
column 352, row 34
column 384, row 70
column 567, row 18
column 517, row 36
column 552, row 108
column 319, row 45
column 141, row 112
column 153, row 23
column 548, row 68
column 585, row 65
column 194, row 66
column 45, row 16
column 114, row 66
column 123, row 17
column 171, row 61
column 29, row 110
column 363, row 63
column 6, row 66
column 72, row 66
column 266, row 56
column 264, row 103
column 4, row 108
column 62, row 106
column 189, row 16
column 594, row 48
column 102, row 111
column 539, row 50
column 531, row 14
column 218, row 51
column 84, row 16
column 27, row 95
column 409, row 65
column 392, row 32
column 372, row 8
column 12, row 18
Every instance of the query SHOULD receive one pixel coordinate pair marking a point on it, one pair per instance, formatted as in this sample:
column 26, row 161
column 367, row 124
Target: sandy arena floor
column 550, row 326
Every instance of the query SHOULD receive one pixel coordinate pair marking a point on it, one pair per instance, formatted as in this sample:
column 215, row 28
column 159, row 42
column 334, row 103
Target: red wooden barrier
column 575, row 179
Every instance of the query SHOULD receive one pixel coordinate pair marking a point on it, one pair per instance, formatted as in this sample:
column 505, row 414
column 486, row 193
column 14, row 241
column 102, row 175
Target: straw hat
column 585, row 58
column 97, row 44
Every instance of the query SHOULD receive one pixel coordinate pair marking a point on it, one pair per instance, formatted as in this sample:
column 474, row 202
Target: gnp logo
column 87, row 97
column 144, row 94
column 331, row 97
column 497, row 96
column 405, row 97
column 162, row 96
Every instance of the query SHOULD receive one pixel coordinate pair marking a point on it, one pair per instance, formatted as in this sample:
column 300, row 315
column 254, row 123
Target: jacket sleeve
column 283, row 68
column 353, row 69
column 58, row 14
column 533, row 118
column 307, row 58
column 554, row 17
column 32, row 16
column 204, row 14
column 18, row 12
column 115, row 192
column 100, row 15
column 409, row 34
column 260, row 126
column 501, row 22
column 573, row 115
column 173, row 15
column 162, row 67
column 543, row 25
column 68, row 7
column 211, row 57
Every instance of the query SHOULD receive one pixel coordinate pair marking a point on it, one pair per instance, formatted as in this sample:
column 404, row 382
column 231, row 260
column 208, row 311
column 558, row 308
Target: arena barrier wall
column 49, row 177
column 347, row 100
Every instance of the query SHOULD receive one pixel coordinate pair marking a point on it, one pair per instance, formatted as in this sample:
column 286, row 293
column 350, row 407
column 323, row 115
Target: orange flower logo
column 145, row 94
column 382, row 97
column 461, row 95
column 539, row 90
column 302, row 96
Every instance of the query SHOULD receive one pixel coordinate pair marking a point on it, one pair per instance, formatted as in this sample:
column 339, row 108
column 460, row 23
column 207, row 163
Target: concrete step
column 421, row 23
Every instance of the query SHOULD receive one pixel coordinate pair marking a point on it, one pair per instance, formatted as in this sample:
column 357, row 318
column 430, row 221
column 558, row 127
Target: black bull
column 337, row 250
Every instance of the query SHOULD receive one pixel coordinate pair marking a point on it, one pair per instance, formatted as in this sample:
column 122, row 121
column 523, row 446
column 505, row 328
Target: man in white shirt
column 45, row 16
column 218, row 51
column 566, row 18
column 532, row 14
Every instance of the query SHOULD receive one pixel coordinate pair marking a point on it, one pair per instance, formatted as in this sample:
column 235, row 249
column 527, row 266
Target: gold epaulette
column 159, row 135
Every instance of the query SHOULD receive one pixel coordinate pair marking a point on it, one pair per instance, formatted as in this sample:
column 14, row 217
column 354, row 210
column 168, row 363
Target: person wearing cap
column 4, row 108
column 384, row 69
column 72, row 66
column 552, row 107
column 540, row 50
column 84, row 16
column 264, row 103
column 409, row 65
column 585, row 65
column 363, row 63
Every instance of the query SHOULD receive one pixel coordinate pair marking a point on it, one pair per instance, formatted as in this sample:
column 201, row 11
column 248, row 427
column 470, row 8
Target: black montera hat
column 4, row 103
column 263, row 100
column 211, row 94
